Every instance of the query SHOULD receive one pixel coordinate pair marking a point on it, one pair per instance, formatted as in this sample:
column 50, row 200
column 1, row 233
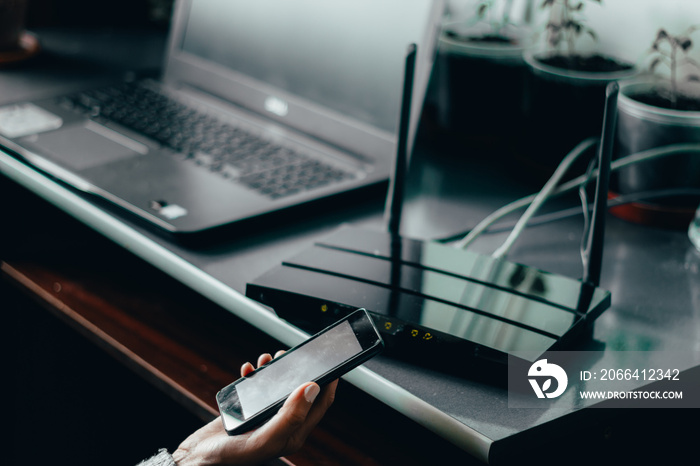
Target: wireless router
column 430, row 300
column 429, row 295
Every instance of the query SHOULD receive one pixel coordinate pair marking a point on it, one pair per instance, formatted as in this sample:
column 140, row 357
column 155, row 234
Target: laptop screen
column 344, row 55
column 332, row 69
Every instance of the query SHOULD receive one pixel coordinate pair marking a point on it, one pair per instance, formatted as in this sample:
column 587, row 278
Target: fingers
column 246, row 369
column 263, row 359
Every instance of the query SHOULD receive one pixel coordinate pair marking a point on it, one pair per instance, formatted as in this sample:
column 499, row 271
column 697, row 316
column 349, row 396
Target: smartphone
column 251, row 400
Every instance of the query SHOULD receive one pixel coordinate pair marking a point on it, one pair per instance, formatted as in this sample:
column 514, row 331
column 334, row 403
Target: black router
column 430, row 300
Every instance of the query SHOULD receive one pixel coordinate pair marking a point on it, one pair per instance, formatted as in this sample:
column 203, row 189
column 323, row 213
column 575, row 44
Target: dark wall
column 100, row 14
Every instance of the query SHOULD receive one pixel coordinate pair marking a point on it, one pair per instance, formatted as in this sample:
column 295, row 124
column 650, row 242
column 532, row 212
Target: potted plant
column 484, row 72
column 566, row 82
column 655, row 110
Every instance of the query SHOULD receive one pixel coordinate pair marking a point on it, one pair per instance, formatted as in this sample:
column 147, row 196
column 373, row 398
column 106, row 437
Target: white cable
column 505, row 210
column 672, row 149
column 544, row 194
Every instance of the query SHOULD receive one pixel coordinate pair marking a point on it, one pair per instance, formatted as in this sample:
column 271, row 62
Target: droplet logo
column 547, row 371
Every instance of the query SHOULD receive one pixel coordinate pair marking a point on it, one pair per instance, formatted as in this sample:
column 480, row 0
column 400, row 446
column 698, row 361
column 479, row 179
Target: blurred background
column 625, row 28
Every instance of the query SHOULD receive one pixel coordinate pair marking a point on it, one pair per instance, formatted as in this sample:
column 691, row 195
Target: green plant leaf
column 654, row 63
column 572, row 24
column 685, row 43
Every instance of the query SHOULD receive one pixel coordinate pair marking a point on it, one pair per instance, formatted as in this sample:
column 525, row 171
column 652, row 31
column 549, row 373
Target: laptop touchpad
column 85, row 146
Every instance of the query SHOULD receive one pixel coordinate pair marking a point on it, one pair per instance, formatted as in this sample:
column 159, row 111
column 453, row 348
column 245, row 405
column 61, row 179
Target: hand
column 285, row 433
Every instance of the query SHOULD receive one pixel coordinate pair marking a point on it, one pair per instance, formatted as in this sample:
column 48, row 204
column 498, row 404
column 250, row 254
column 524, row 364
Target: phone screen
column 306, row 363
column 323, row 357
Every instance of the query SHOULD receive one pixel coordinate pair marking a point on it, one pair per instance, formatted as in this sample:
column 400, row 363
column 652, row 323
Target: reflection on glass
column 555, row 289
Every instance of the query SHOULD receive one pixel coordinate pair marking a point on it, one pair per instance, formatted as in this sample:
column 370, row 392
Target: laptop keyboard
column 262, row 165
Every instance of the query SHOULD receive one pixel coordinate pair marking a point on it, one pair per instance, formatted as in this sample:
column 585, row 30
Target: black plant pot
column 642, row 126
column 485, row 81
column 563, row 108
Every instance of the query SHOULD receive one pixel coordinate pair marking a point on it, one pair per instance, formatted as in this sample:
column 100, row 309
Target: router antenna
column 394, row 203
column 593, row 262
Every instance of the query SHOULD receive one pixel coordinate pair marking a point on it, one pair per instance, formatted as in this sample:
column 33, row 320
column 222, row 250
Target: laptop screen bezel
column 184, row 69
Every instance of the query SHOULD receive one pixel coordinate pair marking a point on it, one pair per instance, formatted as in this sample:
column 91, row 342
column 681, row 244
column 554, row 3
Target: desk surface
column 652, row 273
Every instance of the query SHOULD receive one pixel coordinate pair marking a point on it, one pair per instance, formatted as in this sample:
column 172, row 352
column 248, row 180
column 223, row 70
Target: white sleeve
column 163, row 458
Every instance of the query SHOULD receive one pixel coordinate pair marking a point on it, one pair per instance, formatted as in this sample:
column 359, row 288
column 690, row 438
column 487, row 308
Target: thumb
column 287, row 429
column 294, row 411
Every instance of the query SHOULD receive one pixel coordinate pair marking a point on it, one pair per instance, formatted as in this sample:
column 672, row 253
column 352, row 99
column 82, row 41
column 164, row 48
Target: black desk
column 653, row 274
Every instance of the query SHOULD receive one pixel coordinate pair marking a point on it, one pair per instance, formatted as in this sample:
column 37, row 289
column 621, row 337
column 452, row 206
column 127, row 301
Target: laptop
column 262, row 105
